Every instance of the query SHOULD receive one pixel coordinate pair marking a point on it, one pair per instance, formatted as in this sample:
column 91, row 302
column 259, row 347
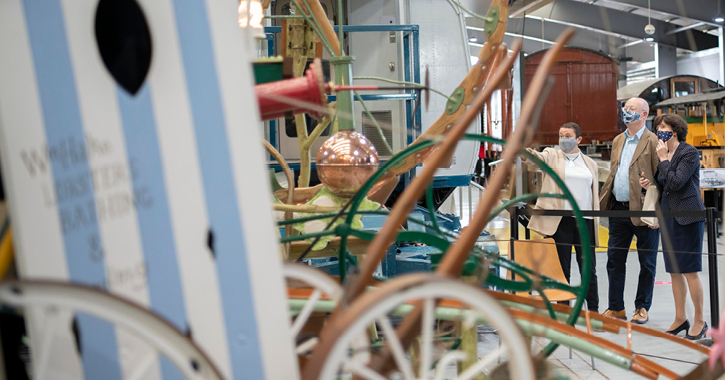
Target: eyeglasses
column 633, row 109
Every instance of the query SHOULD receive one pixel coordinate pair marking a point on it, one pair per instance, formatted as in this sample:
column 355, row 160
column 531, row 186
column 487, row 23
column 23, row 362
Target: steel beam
column 684, row 28
column 623, row 23
column 696, row 10
column 520, row 8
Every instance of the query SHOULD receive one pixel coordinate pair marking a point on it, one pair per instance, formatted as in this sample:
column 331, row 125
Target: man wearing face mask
column 633, row 152
column 580, row 175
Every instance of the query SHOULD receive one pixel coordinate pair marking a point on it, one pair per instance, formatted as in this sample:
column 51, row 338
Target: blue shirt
column 621, row 178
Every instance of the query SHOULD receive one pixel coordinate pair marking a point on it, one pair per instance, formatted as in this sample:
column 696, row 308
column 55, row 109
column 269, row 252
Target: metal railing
column 710, row 214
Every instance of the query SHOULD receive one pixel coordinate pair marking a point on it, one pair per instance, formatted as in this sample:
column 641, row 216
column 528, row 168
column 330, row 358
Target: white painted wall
column 374, row 52
column 705, row 63
column 445, row 52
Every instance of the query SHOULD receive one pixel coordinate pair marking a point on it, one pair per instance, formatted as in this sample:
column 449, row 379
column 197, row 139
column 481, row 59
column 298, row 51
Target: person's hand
column 654, row 227
column 662, row 150
column 644, row 182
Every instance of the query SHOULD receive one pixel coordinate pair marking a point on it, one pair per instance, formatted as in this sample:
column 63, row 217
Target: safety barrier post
column 712, row 266
column 514, row 230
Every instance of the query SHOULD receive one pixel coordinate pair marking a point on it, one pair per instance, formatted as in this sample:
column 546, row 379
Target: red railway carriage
column 584, row 92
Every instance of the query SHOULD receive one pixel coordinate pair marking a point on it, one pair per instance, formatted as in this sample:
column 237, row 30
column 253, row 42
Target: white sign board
column 160, row 196
column 712, row 178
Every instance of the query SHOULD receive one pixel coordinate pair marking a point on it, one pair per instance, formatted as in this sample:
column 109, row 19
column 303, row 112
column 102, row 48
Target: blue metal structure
column 411, row 71
column 403, row 257
column 411, row 62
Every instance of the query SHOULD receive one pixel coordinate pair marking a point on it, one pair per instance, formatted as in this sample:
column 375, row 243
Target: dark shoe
column 698, row 336
column 640, row 316
column 621, row 314
column 684, row 326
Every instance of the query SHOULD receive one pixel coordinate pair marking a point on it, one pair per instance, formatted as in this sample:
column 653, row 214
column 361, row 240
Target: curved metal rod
column 640, row 365
column 455, row 257
column 384, row 238
column 608, row 324
column 290, row 186
column 519, row 270
column 480, row 75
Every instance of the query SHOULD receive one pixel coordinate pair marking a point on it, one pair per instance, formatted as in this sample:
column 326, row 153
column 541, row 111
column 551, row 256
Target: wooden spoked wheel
column 342, row 356
column 58, row 302
column 310, row 287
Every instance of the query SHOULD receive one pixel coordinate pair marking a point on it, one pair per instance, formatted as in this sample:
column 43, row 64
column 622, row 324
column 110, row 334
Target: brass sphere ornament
column 346, row 161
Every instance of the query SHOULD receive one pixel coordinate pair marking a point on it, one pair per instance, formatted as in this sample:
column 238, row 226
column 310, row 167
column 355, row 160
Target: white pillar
column 721, row 50
column 665, row 60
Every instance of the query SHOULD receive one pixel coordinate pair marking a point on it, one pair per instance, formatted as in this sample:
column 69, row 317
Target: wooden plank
column 355, row 246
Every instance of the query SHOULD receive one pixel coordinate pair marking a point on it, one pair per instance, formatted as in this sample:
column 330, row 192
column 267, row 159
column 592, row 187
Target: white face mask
column 567, row 144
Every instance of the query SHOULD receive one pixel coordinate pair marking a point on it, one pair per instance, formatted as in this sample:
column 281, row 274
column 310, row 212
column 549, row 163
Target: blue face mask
column 664, row 135
column 629, row 116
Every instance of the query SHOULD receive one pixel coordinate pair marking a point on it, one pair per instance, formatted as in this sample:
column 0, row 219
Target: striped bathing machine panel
column 125, row 191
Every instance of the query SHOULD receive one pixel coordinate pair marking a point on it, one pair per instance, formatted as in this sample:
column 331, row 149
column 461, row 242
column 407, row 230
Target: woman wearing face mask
column 579, row 172
column 678, row 180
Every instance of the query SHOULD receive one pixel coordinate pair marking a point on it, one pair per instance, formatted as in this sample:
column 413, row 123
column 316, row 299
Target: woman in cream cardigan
column 580, row 173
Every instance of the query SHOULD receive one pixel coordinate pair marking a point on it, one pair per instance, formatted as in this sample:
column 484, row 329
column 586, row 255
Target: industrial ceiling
column 612, row 27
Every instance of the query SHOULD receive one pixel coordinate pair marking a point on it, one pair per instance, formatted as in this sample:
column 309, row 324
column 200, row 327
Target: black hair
column 675, row 121
column 577, row 129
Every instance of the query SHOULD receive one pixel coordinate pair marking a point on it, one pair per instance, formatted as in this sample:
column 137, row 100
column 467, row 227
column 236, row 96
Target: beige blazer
column 547, row 225
column 644, row 160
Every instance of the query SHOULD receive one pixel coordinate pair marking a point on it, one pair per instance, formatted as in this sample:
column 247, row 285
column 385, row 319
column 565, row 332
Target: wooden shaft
column 654, row 368
column 703, row 372
column 641, row 370
column 488, row 61
column 640, row 365
column 411, row 324
column 453, row 260
column 609, row 324
column 415, row 190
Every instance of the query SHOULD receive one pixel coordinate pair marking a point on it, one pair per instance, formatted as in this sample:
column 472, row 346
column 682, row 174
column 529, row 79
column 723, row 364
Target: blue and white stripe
column 187, row 146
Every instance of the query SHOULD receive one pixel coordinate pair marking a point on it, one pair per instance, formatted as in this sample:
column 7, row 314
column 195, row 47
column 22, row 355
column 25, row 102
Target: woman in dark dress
column 678, row 181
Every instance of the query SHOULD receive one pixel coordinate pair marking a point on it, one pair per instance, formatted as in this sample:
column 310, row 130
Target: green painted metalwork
column 441, row 241
column 596, row 324
column 343, row 76
column 578, row 344
column 311, row 235
column 455, row 100
column 268, row 71
column 529, row 328
column 491, row 23
column 431, row 208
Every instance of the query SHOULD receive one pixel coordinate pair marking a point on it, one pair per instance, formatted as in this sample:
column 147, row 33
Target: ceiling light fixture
column 649, row 39
column 251, row 14
column 649, row 28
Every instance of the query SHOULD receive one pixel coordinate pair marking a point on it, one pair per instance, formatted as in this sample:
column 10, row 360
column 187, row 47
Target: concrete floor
column 661, row 314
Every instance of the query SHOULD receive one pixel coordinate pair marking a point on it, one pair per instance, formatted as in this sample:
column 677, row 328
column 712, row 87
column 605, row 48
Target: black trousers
column 566, row 236
column 621, row 232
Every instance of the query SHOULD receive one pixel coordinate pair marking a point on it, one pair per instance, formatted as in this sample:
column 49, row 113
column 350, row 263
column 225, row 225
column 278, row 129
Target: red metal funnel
column 297, row 95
